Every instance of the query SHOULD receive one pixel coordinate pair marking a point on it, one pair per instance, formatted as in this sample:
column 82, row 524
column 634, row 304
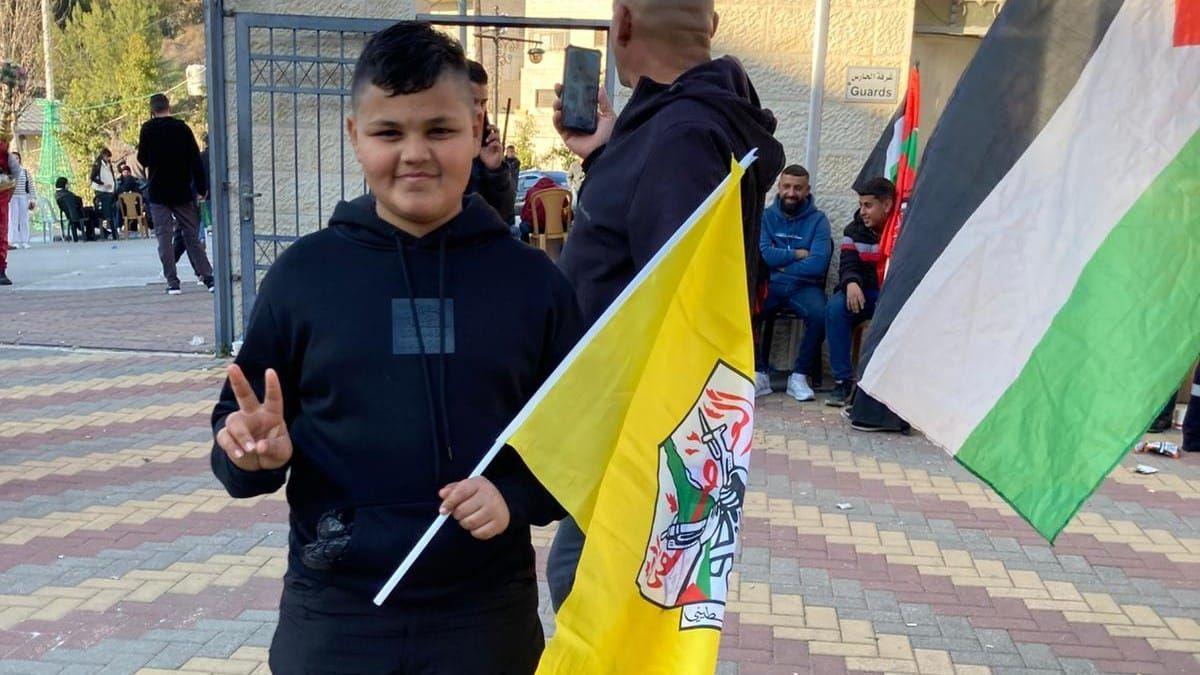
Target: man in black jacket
column 649, row 168
column 491, row 177
column 168, row 150
column 859, row 274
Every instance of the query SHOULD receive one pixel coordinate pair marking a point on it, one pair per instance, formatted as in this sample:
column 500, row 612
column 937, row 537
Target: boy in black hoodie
column 859, row 274
column 383, row 357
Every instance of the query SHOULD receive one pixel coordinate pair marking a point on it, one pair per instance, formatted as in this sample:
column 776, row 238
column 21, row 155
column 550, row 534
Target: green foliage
column 523, row 140
column 108, row 64
column 559, row 158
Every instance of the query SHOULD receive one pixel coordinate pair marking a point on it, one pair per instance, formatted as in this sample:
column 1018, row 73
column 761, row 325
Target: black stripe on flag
column 1025, row 67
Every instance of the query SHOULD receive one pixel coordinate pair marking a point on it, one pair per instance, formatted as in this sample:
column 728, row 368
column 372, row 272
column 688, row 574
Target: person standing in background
column 1191, row 419
column 104, row 184
column 490, row 176
column 168, row 151
column 648, row 169
column 10, row 166
column 23, row 201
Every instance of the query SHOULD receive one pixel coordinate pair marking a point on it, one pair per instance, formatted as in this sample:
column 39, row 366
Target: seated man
column 796, row 244
column 858, row 282
column 71, row 206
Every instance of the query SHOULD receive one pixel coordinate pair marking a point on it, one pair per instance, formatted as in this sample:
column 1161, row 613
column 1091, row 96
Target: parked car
column 526, row 179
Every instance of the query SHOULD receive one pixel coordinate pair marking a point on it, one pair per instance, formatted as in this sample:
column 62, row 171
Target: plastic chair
column 133, row 210
column 73, row 219
column 555, row 204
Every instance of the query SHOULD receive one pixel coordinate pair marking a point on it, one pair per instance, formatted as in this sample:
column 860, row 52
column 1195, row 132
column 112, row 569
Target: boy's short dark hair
column 406, row 58
column 878, row 187
column 60, row 182
column 159, row 103
column 477, row 72
column 795, row 170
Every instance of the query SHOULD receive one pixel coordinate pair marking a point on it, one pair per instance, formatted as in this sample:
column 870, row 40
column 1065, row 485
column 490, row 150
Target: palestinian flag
column 902, row 163
column 1044, row 297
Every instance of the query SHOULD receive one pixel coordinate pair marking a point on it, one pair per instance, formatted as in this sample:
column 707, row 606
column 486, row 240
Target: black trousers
column 323, row 629
column 1191, row 421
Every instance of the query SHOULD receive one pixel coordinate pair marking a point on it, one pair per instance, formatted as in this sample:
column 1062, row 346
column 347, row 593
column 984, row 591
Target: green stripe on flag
column 1108, row 361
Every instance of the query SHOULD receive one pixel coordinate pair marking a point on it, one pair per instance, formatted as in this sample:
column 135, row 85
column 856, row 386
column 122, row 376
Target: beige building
column 287, row 63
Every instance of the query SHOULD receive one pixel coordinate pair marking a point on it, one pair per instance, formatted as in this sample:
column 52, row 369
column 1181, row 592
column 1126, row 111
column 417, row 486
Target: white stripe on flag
column 989, row 299
column 891, row 162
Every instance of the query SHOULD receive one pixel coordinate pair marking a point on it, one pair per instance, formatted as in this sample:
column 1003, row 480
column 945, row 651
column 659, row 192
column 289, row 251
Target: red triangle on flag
column 1187, row 23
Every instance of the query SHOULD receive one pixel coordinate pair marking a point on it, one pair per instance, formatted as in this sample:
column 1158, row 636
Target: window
column 551, row 39
column 545, row 98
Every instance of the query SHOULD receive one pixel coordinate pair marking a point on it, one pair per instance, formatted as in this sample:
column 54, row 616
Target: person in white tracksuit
column 23, row 201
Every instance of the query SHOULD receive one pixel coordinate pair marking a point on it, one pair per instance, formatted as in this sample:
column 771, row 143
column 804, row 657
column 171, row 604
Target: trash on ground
column 1145, row 468
column 844, row 506
column 1165, row 448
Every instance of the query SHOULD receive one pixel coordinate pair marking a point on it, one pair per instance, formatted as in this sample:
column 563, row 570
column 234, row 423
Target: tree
column 523, row 140
column 107, row 63
column 559, row 157
column 21, row 44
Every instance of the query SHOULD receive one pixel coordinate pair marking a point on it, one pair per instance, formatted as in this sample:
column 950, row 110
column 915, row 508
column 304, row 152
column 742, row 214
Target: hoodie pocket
column 384, row 535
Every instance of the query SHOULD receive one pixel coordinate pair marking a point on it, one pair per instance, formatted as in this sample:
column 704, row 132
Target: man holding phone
column 648, row 169
column 490, row 176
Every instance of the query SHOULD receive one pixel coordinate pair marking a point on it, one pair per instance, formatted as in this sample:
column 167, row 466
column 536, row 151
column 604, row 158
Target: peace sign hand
column 255, row 437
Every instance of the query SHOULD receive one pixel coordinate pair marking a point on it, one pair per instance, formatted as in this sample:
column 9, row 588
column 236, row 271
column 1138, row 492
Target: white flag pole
column 542, row 391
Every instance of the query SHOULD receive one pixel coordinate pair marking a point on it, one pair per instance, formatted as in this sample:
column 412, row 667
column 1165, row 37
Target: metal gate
column 294, row 162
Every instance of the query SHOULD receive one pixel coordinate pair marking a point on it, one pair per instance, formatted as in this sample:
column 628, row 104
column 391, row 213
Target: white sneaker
column 798, row 388
column 762, row 384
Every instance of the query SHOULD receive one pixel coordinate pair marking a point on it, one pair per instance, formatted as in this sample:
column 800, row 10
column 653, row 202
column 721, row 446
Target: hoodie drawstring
column 412, row 305
column 442, row 341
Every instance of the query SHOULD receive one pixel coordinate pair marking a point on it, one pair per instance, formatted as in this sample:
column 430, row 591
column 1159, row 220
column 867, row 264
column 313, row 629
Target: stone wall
column 774, row 40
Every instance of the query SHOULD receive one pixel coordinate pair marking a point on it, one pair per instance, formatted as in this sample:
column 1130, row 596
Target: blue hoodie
column 783, row 234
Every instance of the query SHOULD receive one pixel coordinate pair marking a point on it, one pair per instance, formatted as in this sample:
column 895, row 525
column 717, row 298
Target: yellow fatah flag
column 643, row 435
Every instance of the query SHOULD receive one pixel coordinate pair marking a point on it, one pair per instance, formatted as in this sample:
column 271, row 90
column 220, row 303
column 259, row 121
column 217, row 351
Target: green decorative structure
column 52, row 163
column 53, row 160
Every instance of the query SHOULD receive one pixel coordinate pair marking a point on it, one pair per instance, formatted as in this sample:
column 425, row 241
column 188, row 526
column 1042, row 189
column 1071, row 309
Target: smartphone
column 581, row 89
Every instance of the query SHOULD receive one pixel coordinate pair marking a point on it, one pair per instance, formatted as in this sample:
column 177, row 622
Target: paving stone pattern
column 119, row 553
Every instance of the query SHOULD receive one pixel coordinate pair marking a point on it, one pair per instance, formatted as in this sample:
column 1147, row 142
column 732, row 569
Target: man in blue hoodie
column 796, row 245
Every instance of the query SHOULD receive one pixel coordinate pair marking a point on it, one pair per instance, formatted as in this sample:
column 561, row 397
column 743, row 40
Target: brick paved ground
column 119, row 554
column 133, row 317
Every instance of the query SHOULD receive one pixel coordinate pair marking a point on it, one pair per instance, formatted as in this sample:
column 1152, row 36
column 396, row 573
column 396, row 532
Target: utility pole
column 46, row 20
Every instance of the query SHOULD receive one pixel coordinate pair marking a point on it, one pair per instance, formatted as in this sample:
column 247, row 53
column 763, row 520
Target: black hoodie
column 382, row 415
column 671, row 146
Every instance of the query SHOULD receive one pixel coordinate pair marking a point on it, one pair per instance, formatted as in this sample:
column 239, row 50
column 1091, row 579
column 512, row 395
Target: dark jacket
column 168, row 150
column 782, row 234
column 383, row 412
column 671, row 146
column 70, row 204
column 860, row 256
column 498, row 188
column 128, row 184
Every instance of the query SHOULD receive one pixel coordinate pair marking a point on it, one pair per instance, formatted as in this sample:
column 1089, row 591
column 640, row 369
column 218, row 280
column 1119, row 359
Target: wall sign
column 872, row 85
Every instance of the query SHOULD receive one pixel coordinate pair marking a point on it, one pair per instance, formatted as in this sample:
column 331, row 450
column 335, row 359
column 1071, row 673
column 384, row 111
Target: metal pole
column 218, row 190
column 462, row 30
column 46, row 21
column 816, row 100
column 496, row 78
